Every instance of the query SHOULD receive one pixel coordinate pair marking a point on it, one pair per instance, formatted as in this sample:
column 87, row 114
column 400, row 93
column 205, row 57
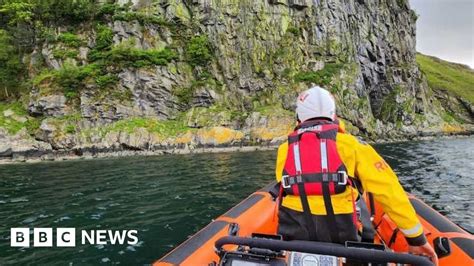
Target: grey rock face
column 254, row 43
column 20, row 144
column 460, row 108
column 258, row 49
column 105, row 110
column 50, row 105
column 150, row 95
column 378, row 37
column 152, row 91
column 299, row 3
column 48, row 56
column 5, row 149
column 8, row 113
column 203, row 98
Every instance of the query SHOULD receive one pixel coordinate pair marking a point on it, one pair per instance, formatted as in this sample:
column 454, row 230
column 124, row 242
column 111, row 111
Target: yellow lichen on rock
column 155, row 138
column 450, row 128
column 275, row 128
column 185, row 138
column 218, row 136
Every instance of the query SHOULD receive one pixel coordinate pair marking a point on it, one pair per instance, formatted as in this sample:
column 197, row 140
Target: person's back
column 317, row 168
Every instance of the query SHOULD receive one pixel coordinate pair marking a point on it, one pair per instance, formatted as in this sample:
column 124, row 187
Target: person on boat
column 318, row 169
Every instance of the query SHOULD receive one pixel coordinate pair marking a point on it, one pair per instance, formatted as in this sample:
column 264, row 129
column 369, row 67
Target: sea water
column 168, row 198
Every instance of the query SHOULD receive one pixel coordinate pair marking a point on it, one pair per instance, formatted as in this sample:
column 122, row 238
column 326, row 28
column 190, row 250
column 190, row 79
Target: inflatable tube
column 255, row 214
column 435, row 226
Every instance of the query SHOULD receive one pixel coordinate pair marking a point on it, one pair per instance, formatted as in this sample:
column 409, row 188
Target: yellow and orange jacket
column 366, row 165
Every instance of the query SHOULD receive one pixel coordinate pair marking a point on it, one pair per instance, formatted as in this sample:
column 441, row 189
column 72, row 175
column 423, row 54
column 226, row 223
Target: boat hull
column 258, row 214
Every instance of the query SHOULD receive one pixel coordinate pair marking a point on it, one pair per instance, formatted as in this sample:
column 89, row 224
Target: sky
column 445, row 29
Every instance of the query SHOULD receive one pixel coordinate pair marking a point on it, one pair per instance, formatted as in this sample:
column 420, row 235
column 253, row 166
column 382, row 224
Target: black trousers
column 292, row 226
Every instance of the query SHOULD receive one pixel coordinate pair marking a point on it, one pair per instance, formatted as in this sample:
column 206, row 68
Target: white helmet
column 315, row 102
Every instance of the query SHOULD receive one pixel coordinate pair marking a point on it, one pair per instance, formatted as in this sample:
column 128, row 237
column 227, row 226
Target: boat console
column 260, row 250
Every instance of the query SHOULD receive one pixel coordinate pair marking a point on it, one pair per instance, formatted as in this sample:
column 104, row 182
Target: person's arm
column 281, row 160
column 379, row 179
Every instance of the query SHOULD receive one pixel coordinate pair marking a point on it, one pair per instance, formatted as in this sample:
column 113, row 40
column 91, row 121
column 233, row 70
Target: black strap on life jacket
column 368, row 232
column 393, row 238
column 338, row 178
column 317, row 178
column 310, row 224
column 372, row 205
column 333, row 231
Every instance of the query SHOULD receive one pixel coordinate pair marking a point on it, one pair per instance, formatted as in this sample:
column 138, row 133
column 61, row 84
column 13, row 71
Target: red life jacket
column 313, row 167
column 312, row 159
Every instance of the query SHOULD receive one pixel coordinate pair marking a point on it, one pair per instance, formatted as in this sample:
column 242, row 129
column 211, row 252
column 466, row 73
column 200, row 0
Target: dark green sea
column 168, row 198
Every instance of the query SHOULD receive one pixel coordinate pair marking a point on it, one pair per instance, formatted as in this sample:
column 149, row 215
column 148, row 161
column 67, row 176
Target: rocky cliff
column 166, row 74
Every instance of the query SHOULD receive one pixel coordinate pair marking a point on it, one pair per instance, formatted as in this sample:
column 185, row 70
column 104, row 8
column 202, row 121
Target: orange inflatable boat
column 246, row 235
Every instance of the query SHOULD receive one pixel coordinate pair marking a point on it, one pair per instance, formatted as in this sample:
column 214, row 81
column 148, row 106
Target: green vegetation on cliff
column 198, row 51
column 26, row 25
column 125, row 55
column 71, row 78
column 11, row 67
column 321, row 77
column 13, row 117
column 70, row 39
column 446, row 76
column 168, row 128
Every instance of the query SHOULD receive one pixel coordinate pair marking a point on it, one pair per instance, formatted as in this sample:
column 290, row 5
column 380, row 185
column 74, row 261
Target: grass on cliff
column 446, row 76
column 71, row 77
column 70, row 39
column 127, row 56
column 321, row 77
column 14, row 122
column 166, row 128
column 273, row 110
column 8, row 122
column 198, row 51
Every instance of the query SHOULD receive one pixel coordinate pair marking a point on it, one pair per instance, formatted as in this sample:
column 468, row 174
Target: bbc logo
column 43, row 237
column 66, row 237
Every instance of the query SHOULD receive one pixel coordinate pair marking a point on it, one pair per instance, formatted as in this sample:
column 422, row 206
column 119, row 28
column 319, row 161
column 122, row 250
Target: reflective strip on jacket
column 376, row 176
